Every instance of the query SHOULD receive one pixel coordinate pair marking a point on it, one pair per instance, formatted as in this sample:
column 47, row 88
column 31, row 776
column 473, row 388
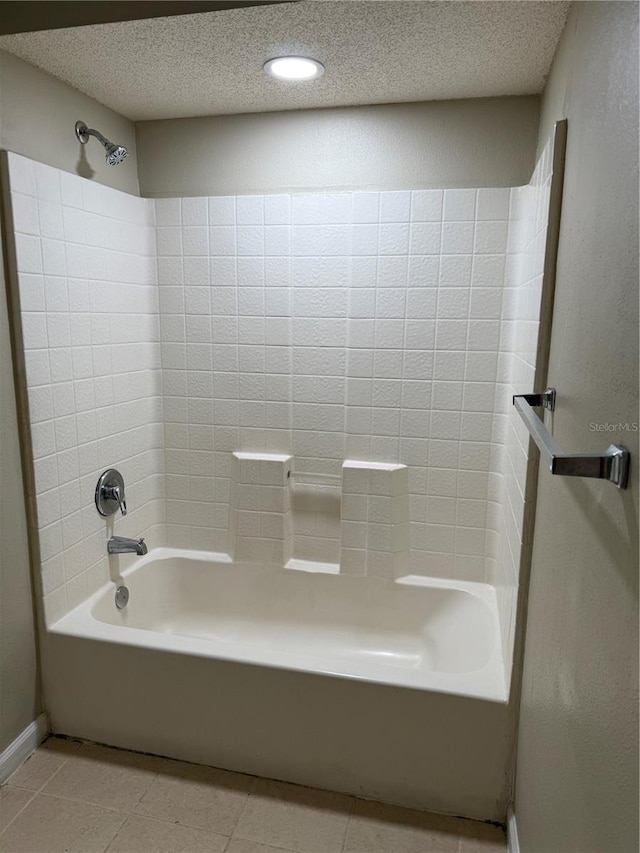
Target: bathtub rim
column 487, row 683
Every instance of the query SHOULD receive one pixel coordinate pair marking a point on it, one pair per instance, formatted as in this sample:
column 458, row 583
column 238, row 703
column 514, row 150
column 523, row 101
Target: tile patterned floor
column 72, row 797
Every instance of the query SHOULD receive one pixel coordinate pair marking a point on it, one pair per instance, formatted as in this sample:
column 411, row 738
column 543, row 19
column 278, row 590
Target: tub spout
column 122, row 545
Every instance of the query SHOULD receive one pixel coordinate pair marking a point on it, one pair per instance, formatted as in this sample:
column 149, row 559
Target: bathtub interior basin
column 415, row 632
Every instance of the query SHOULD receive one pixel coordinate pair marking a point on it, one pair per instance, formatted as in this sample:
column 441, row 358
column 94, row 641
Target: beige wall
column 19, row 694
column 37, row 117
column 486, row 142
column 577, row 764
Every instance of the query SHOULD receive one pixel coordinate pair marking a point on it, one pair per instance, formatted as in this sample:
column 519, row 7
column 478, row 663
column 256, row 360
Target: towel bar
column 611, row 465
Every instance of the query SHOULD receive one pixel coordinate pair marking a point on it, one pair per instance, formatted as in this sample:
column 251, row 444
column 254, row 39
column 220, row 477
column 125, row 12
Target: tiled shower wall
column 85, row 257
column 518, row 371
column 383, row 327
column 335, row 326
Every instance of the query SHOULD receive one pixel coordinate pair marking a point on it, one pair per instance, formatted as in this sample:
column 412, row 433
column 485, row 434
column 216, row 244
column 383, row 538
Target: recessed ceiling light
column 294, row 68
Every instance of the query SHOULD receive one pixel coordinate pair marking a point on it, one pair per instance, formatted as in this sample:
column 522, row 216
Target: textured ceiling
column 374, row 52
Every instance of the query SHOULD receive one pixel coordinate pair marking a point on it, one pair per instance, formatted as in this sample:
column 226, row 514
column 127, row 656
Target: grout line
column 55, row 772
column 346, row 829
column 17, row 815
column 154, row 776
column 113, row 837
column 53, row 775
column 252, row 783
column 125, row 812
column 269, row 847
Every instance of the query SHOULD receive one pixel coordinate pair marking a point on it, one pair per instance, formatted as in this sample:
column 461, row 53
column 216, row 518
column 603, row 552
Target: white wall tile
column 490, row 238
column 459, row 205
column 393, row 238
column 493, row 204
column 194, row 211
column 457, row 238
column 395, row 206
column 365, row 207
column 71, row 244
column 315, row 324
column 277, row 210
column 426, row 205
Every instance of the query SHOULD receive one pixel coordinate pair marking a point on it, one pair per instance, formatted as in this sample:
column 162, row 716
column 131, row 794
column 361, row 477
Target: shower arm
column 115, row 153
column 83, row 133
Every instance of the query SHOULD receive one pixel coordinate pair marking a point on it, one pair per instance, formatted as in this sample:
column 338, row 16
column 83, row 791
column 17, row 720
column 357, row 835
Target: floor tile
column 61, row 745
column 50, row 825
column 12, row 800
column 197, row 796
column 295, row 818
column 241, row 845
column 144, row 835
column 75, row 798
column 476, row 837
column 111, row 778
column 39, row 768
column 378, row 828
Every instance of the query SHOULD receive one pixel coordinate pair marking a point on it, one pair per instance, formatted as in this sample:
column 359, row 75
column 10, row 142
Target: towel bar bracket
column 547, row 400
column 612, row 465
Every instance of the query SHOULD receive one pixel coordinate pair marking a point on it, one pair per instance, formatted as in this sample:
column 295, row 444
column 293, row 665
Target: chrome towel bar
column 611, row 465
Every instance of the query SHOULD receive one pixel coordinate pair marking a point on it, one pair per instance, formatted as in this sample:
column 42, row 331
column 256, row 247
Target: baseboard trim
column 21, row 748
column 513, row 844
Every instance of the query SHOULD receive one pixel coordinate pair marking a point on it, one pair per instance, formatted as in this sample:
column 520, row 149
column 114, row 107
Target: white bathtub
column 294, row 675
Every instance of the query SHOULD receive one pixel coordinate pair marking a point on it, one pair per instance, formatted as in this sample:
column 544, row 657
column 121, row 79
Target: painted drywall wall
column 19, row 698
column 487, row 142
column 577, row 762
column 37, row 118
column 38, row 114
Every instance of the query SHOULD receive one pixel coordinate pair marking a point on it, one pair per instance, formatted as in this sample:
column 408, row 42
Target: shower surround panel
column 359, row 326
column 85, row 259
column 319, row 379
column 166, row 337
column 528, row 280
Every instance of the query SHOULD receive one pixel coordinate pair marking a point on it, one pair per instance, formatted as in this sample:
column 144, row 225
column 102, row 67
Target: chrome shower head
column 115, row 153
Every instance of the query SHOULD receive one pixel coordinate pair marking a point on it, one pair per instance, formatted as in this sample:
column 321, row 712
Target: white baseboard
column 513, row 845
column 21, row 748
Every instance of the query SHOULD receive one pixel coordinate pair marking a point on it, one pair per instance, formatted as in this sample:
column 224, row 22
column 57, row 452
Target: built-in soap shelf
column 260, row 517
column 373, row 522
column 374, row 528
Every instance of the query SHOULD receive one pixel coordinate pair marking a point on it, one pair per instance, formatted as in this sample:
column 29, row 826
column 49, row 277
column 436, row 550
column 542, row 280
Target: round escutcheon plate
column 110, row 493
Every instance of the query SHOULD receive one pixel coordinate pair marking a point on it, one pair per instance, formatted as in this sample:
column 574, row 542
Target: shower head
column 115, row 153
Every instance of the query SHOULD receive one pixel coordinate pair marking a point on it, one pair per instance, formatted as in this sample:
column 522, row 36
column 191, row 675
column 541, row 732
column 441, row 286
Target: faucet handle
column 110, row 493
column 115, row 494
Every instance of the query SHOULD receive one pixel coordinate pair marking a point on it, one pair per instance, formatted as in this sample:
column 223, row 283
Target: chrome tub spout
column 122, row 545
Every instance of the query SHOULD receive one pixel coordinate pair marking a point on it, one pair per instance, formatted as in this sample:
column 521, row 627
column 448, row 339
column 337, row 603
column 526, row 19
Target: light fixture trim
column 293, row 68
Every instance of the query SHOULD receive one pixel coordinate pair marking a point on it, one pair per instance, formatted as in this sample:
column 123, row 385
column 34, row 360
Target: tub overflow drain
column 122, row 597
